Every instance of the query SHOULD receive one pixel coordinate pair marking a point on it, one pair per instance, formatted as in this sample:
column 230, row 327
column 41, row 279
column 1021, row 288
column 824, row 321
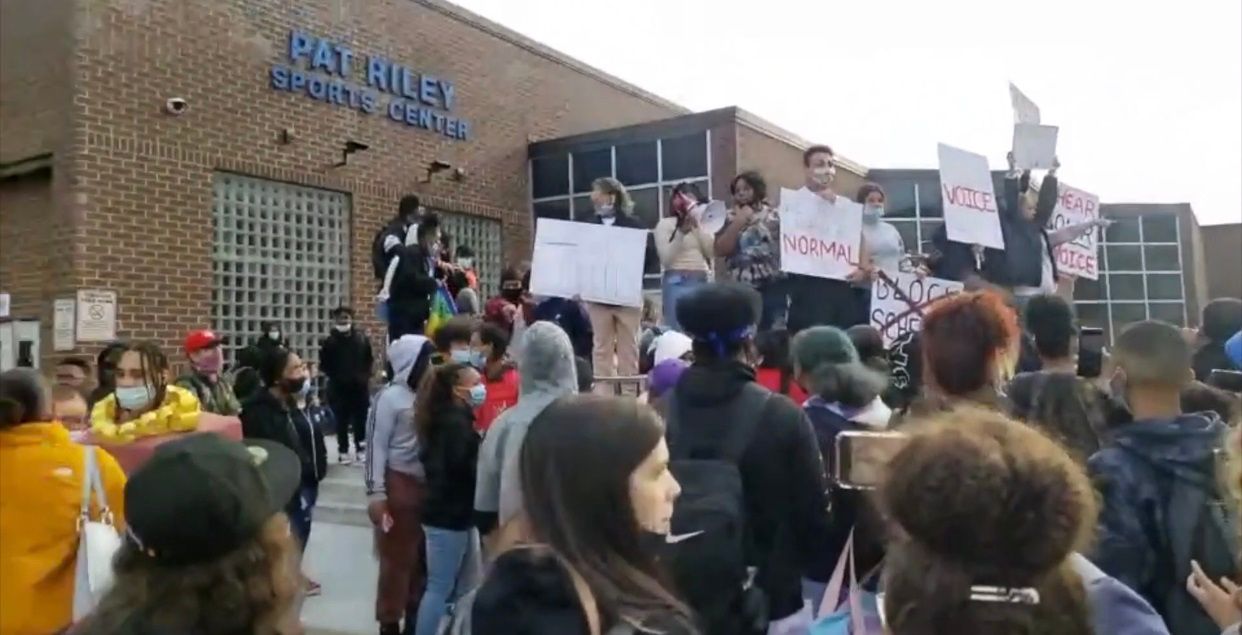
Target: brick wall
column 141, row 179
column 36, row 91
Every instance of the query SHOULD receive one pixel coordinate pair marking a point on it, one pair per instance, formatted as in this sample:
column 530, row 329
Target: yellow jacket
column 40, row 498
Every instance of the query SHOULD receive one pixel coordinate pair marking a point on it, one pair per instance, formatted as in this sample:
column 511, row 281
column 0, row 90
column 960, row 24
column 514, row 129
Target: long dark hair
column 576, row 465
column 155, row 367
column 23, row 397
column 435, row 396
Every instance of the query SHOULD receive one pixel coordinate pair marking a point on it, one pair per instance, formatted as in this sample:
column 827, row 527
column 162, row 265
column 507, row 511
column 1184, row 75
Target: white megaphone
column 711, row 216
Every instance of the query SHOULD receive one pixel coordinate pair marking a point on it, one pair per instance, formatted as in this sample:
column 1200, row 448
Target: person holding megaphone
column 685, row 248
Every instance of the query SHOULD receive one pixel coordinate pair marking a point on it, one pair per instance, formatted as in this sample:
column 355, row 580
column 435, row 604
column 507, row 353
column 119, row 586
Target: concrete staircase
column 342, row 494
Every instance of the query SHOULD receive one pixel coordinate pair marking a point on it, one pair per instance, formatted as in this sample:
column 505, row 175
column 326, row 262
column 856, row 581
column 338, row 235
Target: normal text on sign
column 819, row 237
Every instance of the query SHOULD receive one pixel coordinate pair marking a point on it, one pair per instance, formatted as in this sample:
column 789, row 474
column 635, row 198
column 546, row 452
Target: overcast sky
column 1148, row 96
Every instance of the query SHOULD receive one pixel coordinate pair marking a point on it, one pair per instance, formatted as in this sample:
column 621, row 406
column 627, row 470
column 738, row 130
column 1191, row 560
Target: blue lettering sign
column 418, row 100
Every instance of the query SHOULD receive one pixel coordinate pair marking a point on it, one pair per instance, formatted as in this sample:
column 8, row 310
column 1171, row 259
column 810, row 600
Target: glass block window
column 280, row 252
column 483, row 235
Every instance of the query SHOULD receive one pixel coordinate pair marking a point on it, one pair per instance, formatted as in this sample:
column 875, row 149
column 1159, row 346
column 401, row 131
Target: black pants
column 349, row 403
column 821, row 302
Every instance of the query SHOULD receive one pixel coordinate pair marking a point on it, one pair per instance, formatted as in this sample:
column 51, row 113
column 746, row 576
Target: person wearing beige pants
column 616, row 343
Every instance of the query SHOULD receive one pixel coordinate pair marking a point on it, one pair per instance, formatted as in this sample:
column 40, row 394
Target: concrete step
column 354, row 514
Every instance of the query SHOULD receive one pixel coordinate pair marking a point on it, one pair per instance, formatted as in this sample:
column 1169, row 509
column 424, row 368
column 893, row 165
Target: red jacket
column 502, row 393
column 770, row 378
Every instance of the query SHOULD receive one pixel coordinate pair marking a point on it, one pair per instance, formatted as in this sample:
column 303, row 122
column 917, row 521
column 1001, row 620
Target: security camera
column 176, row 106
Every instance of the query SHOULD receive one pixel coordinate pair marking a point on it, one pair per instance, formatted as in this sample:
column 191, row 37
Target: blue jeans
column 673, row 287
column 300, row 512
column 450, row 574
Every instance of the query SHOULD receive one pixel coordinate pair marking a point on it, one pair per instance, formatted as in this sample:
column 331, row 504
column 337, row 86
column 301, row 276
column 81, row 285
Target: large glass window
column 638, row 163
column 684, row 157
column 550, row 176
column 589, row 166
column 280, row 253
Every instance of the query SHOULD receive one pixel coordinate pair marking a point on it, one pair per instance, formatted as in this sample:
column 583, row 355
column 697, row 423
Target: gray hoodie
column 548, row 371
column 391, row 441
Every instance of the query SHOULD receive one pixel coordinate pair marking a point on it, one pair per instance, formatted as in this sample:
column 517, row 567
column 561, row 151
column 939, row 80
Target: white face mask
column 273, row 335
column 343, row 328
column 824, row 175
column 605, row 210
column 466, row 263
column 872, row 213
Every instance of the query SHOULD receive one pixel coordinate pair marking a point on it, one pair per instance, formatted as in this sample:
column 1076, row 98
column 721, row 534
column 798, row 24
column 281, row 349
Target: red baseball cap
column 200, row 339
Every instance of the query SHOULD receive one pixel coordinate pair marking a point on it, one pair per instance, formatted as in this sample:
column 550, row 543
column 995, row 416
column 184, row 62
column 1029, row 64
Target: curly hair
column 246, row 592
column 981, row 499
column 970, row 342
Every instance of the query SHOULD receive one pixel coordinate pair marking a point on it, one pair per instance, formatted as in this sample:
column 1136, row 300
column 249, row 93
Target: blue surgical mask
column 478, row 394
column 134, row 397
column 462, row 356
column 872, row 214
column 477, row 359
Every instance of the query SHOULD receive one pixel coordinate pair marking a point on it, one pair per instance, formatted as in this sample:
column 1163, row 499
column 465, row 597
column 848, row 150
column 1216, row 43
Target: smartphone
column 863, row 456
column 1225, row 379
column 1090, row 351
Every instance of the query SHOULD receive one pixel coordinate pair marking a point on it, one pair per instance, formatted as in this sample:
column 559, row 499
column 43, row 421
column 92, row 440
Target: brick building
column 243, row 205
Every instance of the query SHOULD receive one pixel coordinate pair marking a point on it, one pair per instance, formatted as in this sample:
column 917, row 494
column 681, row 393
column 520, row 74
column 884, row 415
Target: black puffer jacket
column 266, row 417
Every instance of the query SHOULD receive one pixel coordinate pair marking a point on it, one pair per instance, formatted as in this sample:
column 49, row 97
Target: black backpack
column 1198, row 525
column 708, row 552
column 379, row 257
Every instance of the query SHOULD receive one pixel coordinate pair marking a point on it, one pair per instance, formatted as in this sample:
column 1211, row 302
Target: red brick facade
column 128, row 203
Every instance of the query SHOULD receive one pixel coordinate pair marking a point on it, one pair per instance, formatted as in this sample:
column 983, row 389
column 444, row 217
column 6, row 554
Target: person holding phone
column 685, row 249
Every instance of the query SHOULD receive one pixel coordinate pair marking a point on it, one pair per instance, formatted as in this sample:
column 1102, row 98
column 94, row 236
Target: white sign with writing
column 970, row 212
column 819, row 238
column 64, row 324
column 898, row 302
column 597, row 263
column 1024, row 110
column 1079, row 257
column 96, row 316
column 1034, row 146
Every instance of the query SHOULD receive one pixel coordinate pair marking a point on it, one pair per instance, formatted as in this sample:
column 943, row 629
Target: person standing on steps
column 345, row 357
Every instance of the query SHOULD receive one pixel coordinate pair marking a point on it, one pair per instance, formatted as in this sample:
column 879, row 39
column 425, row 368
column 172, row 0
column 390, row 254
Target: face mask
column 478, row 359
column 295, row 386
column 134, row 397
column 210, row 362
column 273, row 335
column 461, row 355
column 513, row 295
column 305, row 390
column 343, row 328
column 478, row 394
column 872, row 213
column 465, row 263
column 605, row 210
column 681, row 205
column 823, row 175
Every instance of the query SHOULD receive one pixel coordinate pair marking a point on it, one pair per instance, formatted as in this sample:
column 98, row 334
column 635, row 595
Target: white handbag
column 98, row 542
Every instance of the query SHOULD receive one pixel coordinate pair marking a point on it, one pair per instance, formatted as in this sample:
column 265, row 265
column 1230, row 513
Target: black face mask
column 293, row 386
column 512, row 295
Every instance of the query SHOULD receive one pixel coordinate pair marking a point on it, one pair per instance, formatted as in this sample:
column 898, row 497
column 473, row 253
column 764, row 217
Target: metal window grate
column 483, row 235
column 280, row 252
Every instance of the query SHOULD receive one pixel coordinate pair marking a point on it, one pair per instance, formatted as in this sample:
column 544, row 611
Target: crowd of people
column 779, row 470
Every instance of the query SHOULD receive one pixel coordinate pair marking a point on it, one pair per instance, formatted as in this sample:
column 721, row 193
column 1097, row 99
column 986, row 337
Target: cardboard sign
column 819, row 238
column 1024, row 110
column 1034, row 146
column 970, row 209
column 597, row 263
column 898, row 302
column 96, row 316
column 1079, row 257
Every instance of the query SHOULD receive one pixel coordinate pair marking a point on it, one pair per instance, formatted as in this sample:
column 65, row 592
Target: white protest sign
column 64, row 311
column 819, row 238
column 898, row 302
column 1079, row 257
column 1034, row 146
column 595, row 262
column 96, row 316
column 1024, row 110
column 970, row 212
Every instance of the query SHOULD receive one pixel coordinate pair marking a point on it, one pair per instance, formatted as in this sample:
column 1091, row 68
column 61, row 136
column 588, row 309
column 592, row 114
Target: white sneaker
column 345, row 459
column 361, row 456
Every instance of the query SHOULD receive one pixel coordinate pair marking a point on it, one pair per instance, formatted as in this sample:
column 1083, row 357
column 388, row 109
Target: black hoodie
column 782, row 477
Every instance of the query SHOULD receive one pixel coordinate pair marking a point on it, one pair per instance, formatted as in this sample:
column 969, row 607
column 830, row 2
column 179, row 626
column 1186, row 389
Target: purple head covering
column 664, row 376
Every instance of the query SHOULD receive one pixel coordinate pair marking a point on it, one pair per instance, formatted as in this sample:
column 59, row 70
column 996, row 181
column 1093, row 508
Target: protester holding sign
column 814, row 300
column 616, row 327
column 1030, row 264
column 750, row 244
column 883, row 241
column 686, row 249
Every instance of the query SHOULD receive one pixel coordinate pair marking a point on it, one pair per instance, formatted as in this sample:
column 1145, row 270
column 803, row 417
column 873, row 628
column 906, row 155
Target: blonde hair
column 609, row 185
